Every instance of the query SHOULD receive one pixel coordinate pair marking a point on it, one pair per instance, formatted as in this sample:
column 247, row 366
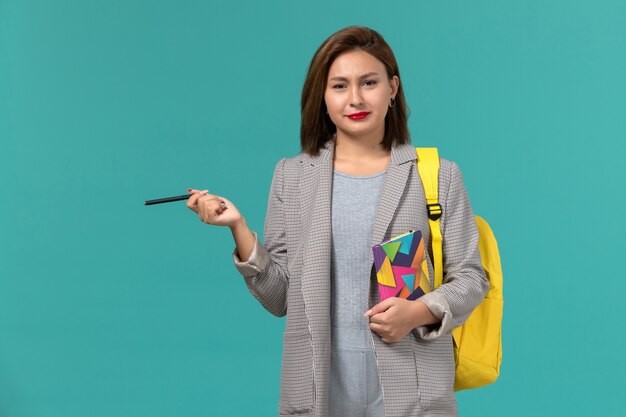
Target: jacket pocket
column 434, row 362
column 296, row 381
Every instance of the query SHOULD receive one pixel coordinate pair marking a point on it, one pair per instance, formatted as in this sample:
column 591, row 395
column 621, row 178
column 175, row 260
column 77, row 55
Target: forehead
column 354, row 63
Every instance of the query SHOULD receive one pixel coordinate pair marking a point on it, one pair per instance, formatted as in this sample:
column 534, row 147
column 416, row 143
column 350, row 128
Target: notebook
column 401, row 268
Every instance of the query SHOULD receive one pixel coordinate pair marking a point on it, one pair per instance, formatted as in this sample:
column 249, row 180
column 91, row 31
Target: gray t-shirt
column 354, row 204
column 354, row 382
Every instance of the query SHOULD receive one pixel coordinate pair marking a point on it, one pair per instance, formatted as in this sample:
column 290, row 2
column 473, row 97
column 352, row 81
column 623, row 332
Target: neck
column 355, row 149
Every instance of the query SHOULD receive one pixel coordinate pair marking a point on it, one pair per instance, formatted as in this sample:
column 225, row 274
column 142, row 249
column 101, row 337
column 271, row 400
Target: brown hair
column 316, row 127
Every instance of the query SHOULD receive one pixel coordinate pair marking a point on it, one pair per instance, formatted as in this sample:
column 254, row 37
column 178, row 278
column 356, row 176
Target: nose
column 357, row 100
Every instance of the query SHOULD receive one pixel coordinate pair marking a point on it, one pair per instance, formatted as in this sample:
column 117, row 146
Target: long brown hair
column 316, row 127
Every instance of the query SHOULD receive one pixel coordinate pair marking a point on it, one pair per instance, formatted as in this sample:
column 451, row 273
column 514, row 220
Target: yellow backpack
column 478, row 342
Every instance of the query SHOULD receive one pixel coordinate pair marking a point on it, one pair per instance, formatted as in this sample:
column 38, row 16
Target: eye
column 339, row 86
column 370, row 83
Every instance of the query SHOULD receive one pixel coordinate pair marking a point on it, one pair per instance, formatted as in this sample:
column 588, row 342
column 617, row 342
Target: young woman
column 355, row 184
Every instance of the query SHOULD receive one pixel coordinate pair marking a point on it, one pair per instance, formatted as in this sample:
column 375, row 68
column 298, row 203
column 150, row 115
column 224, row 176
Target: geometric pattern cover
column 401, row 268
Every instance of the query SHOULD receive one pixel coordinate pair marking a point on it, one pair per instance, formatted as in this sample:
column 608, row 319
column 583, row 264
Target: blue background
column 110, row 308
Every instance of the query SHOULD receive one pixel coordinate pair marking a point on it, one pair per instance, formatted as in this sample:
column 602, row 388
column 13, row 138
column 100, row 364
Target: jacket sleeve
column 464, row 281
column 265, row 272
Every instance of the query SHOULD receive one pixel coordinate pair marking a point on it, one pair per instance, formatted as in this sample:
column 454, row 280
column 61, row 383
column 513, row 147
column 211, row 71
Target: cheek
column 330, row 108
column 381, row 100
column 332, row 103
column 335, row 110
column 384, row 104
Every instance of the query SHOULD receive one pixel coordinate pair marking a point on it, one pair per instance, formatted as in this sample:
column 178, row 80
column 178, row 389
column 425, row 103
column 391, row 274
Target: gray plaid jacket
column 290, row 274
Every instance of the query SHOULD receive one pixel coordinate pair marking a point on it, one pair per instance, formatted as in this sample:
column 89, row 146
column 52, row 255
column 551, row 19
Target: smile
column 358, row 116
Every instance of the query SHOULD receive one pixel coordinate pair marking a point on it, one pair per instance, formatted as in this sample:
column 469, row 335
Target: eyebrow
column 369, row 74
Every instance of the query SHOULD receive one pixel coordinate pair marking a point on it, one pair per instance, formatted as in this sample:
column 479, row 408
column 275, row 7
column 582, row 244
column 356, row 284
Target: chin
column 356, row 132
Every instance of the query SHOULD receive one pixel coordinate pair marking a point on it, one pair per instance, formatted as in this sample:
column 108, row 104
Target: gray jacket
column 290, row 274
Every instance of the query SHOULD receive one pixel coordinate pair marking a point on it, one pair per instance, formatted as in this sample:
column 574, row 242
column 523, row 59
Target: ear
column 394, row 82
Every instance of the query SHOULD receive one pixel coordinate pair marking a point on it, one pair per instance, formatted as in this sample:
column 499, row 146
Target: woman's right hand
column 213, row 209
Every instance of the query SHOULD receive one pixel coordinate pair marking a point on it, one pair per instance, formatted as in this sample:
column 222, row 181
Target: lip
column 358, row 116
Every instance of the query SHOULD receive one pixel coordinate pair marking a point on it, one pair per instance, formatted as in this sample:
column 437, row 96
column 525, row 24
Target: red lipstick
column 358, row 116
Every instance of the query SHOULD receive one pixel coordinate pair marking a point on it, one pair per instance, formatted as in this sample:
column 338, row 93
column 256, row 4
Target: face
column 358, row 93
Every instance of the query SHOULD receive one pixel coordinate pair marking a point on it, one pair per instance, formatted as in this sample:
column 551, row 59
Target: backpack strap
column 428, row 168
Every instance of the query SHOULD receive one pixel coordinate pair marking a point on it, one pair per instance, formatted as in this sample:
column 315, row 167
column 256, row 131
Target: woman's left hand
column 394, row 318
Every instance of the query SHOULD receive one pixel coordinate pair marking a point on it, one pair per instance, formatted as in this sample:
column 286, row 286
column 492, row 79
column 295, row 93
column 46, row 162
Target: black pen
column 167, row 199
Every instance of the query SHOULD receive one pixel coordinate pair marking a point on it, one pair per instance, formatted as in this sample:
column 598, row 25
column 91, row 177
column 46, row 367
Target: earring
column 392, row 103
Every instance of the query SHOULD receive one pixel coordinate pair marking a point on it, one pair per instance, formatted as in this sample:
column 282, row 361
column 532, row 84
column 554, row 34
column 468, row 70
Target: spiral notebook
column 401, row 268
